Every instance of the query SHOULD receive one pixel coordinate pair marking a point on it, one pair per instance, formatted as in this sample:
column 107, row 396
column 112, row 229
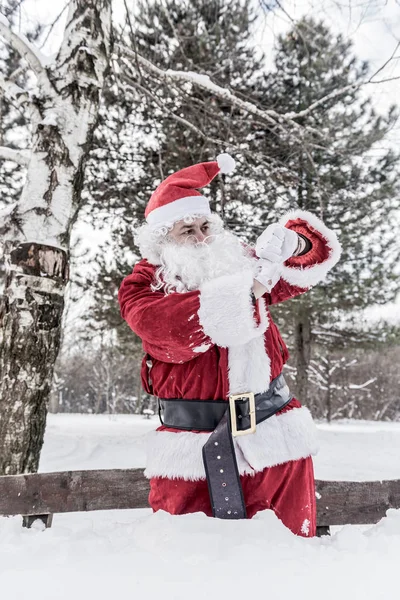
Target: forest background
column 344, row 335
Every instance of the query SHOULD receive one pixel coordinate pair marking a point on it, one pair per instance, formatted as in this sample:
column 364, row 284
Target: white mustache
column 186, row 266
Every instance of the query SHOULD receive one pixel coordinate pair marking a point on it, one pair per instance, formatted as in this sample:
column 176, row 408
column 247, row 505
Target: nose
column 200, row 237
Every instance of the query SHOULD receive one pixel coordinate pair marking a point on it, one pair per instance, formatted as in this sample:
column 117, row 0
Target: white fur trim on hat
column 289, row 436
column 178, row 209
column 226, row 311
column 306, row 277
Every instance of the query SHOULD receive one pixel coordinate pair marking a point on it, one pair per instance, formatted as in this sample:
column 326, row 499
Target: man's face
column 193, row 233
column 193, row 253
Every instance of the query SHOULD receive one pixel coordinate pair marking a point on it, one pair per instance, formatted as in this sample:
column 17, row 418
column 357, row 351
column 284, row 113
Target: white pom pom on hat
column 226, row 163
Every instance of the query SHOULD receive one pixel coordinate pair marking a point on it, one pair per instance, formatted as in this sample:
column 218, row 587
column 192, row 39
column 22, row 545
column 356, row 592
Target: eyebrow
column 189, row 226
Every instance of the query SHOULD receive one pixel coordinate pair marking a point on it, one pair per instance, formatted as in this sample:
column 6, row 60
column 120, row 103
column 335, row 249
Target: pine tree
column 347, row 178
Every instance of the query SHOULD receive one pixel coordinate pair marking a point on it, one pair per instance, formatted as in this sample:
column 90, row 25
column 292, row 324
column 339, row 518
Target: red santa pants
column 288, row 489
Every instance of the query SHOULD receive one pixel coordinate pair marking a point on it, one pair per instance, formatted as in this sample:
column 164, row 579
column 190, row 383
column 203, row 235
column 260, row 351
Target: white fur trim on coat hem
column 226, row 311
column 290, row 436
column 306, row 277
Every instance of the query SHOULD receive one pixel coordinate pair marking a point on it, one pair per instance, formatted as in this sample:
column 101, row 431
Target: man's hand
column 276, row 243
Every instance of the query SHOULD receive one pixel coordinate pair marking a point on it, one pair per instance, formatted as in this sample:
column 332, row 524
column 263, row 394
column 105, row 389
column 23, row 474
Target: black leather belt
column 204, row 415
column 226, row 419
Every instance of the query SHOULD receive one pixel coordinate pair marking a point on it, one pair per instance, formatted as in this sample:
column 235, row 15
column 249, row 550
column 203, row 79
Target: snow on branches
column 284, row 123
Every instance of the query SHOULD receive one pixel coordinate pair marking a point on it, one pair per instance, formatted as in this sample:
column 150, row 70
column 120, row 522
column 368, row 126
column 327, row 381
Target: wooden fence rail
column 45, row 494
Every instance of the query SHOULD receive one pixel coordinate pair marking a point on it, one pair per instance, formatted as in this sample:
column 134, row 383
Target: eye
column 188, row 232
column 205, row 227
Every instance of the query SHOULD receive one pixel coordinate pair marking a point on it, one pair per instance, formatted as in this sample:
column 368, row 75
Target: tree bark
column 37, row 231
column 302, row 344
column 328, row 390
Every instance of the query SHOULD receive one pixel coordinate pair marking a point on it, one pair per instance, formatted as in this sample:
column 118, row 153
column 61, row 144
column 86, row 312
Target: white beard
column 186, row 266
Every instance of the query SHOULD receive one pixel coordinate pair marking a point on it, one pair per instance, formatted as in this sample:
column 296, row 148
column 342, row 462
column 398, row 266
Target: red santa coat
column 213, row 342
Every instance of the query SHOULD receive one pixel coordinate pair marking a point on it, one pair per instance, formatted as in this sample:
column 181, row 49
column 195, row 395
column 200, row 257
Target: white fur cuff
column 226, row 311
column 306, row 277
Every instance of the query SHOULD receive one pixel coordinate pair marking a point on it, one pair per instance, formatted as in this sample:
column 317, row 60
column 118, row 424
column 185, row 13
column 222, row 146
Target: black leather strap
column 204, row 415
column 224, row 487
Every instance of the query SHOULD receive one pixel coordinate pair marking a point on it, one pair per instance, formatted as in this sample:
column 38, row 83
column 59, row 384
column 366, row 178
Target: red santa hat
column 178, row 196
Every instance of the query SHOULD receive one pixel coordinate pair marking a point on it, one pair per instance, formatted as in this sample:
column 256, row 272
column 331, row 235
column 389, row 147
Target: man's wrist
column 258, row 290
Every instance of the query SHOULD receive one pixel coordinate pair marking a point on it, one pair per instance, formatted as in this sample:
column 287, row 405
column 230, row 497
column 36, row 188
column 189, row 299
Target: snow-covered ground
column 135, row 554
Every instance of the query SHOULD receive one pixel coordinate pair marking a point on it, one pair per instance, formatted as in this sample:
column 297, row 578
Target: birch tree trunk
column 36, row 232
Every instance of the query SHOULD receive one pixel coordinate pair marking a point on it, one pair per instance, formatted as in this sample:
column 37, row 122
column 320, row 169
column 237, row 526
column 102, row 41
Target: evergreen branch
column 22, row 45
column 133, row 84
column 22, row 157
column 175, row 32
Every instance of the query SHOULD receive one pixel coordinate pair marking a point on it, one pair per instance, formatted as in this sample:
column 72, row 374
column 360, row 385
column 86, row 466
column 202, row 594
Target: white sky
column 372, row 25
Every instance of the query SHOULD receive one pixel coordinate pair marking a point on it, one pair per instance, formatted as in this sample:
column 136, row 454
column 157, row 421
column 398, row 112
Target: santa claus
column 233, row 440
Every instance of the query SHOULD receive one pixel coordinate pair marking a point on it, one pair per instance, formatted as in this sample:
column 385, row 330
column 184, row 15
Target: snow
column 6, row 211
column 134, row 553
column 21, row 43
column 19, row 156
column 4, row 21
column 50, row 119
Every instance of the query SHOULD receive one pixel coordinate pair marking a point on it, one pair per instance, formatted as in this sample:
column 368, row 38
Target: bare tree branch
column 204, row 82
column 293, row 21
column 384, row 64
column 175, row 32
column 22, row 45
column 133, row 84
column 262, row 159
column 334, row 94
column 54, row 23
column 21, row 157
column 271, row 116
column 395, row 78
column 133, row 37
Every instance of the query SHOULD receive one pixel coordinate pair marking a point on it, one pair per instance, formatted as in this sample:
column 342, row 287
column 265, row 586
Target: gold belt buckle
column 252, row 413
